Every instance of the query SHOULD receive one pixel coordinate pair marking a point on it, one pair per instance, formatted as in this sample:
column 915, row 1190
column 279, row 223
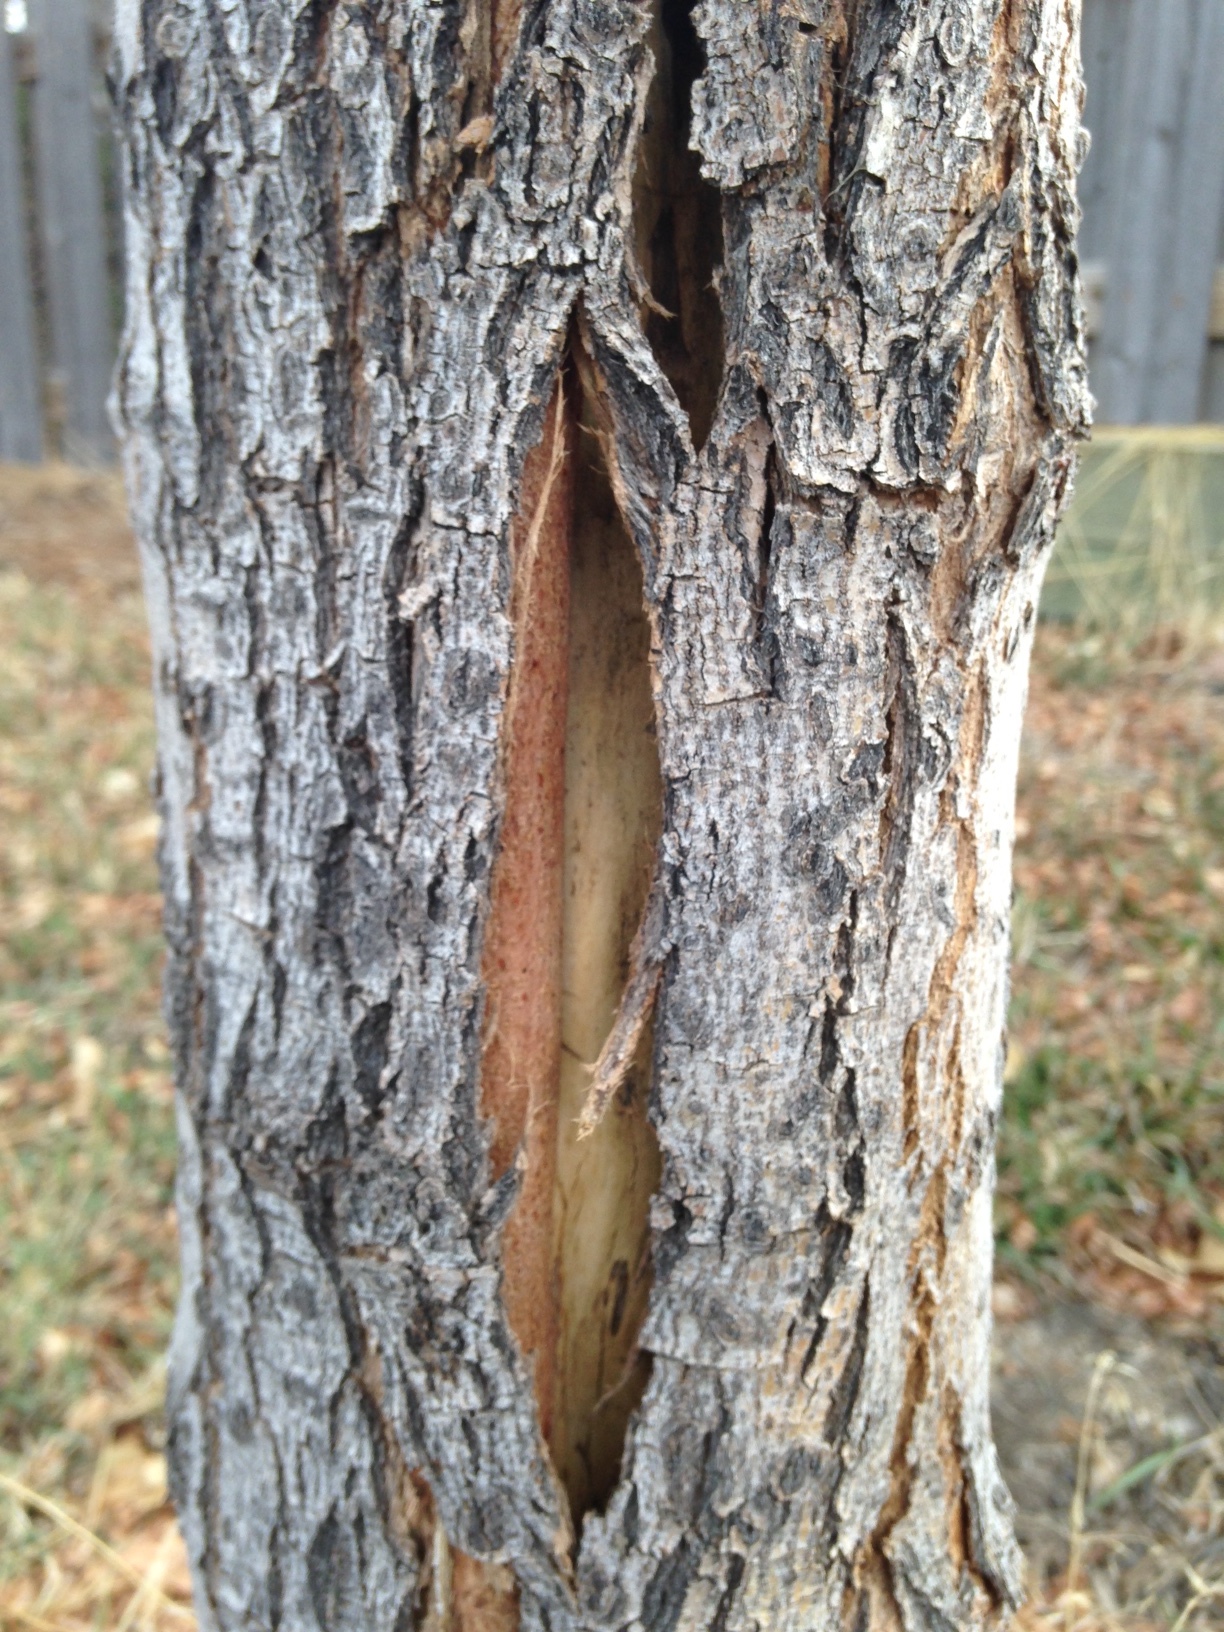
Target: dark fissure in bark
column 863, row 39
column 679, row 223
column 765, row 634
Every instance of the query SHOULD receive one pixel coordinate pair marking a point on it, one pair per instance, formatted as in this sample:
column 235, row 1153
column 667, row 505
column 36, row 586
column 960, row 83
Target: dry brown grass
column 1141, row 1531
column 1112, row 1156
column 87, row 1538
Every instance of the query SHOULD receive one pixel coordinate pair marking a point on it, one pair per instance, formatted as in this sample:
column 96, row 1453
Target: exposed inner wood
column 583, row 811
column 483, row 1597
column 613, row 815
column 459, row 1593
column 505, row 17
column 678, row 220
column 522, row 957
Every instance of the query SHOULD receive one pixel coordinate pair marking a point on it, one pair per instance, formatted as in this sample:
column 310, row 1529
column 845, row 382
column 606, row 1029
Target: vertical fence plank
column 1139, row 184
column 20, row 392
column 1165, row 194
column 1106, row 30
column 1197, row 203
column 70, row 196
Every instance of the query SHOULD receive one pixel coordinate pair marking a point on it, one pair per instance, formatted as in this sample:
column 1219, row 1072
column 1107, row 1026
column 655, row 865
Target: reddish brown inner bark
column 521, row 1062
column 583, row 802
column 484, row 1597
column 522, row 960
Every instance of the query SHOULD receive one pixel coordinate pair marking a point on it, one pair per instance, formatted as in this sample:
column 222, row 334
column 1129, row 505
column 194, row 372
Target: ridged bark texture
column 358, row 263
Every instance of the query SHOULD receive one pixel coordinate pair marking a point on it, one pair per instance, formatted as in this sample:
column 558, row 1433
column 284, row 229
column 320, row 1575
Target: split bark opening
column 678, row 224
column 580, row 824
column 581, row 820
column 524, row 937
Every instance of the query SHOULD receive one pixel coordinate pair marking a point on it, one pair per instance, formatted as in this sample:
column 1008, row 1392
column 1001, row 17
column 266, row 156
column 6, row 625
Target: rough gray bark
column 356, row 265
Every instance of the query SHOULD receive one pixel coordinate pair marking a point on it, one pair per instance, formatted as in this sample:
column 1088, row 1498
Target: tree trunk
column 594, row 470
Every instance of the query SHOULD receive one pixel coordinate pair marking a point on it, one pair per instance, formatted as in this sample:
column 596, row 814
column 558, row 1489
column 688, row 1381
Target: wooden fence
column 1153, row 198
column 1152, row 244
column 59, row 226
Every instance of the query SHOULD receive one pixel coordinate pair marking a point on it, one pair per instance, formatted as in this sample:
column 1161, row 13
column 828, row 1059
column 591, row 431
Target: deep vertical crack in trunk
column 523, row 951
column 613, row 817
column 521, row 1062
column 678, row 225
column 580, row 823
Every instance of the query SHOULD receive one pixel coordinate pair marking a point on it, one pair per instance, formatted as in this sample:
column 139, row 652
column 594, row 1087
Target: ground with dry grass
column 1113, row 1155
column 1109, row 1383
column 1110, row 1215
column 86, row 1142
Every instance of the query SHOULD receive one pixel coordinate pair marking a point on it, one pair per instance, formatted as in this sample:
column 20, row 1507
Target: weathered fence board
column 1140, row 176
column 1162, row 205
column 1198, row 204
column 1106, row 28
column 70, row 196
column 20, row 391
